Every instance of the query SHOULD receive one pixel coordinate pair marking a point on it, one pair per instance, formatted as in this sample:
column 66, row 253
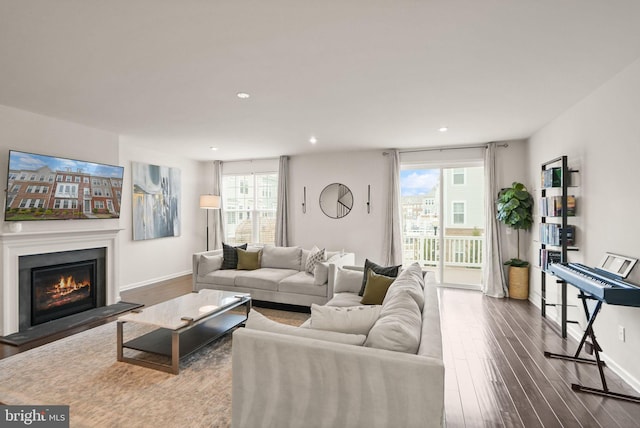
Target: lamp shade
column 209, row 202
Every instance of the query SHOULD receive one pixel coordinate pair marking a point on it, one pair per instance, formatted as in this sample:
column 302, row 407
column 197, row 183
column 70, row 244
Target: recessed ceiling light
column 213, row 148
column 243, row 95
column 443, row 129
column 313, row 140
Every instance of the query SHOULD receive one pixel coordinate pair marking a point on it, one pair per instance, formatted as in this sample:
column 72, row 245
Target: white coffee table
column 184, row 325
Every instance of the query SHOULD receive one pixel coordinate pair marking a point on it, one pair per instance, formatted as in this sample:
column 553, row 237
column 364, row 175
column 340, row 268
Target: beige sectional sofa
column 281, row 277
column 307, row 376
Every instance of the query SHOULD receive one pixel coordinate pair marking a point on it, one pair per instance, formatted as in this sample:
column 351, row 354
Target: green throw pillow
column 391, row 271
column 375, row 288
column 248, row 260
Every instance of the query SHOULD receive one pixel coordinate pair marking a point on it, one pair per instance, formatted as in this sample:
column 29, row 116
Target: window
column 250, row 203
column 459, row 176
column 443, row 219
column 67, row 191
column 85, row 180
column 77, row 179
column 99, row 205
column 458, row 211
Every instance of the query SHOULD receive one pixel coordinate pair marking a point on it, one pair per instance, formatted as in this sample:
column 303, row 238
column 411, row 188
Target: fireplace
column 57, row 285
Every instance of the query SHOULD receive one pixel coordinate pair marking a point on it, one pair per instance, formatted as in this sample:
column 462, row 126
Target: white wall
column 601, row 137
column 358, row 232
column 148, row 261
column 511, row 165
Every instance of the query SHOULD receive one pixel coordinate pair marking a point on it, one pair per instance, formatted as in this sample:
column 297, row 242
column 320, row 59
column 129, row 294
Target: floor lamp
column 209, row 202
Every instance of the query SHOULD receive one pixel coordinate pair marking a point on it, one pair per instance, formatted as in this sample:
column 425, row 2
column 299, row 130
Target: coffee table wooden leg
column 119, row 340
column 175, row 352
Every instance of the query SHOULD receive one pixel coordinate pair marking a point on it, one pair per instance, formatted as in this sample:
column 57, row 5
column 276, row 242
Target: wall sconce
column 304, row 200
column 368, row 198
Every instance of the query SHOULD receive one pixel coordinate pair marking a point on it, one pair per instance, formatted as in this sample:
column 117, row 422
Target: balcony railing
column 459, row 251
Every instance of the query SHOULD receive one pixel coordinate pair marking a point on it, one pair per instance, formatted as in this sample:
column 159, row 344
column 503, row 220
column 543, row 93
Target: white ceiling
column 354, row 73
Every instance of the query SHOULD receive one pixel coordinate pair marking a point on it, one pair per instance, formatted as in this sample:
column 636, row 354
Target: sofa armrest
column 344, row 260
column 195, row 261
column 286, row 381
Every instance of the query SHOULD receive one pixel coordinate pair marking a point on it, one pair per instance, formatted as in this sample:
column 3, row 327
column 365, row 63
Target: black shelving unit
column 560, row 189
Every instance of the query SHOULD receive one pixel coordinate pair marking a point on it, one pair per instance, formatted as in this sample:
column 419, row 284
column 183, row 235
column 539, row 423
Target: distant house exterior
column 47, row 194
column 464, row 201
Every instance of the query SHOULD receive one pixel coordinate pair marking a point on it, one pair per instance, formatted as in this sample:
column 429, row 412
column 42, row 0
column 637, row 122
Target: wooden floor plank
column 609, row 412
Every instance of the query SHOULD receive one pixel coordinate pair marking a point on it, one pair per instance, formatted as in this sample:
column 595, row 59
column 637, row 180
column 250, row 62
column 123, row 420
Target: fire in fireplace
column 57, row 285
column 62, row 290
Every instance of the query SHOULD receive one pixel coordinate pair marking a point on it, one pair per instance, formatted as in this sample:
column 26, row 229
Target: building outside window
column 250, row 203
column 458, row 209
column 459, row 176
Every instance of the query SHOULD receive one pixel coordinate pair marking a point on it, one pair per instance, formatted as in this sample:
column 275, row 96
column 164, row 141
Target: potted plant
column 515, row 205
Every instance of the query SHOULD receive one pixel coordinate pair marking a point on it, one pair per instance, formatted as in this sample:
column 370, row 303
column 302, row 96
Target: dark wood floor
column 496, row 373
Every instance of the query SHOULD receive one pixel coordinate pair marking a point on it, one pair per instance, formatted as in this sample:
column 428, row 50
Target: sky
column 31, row 161
column 415, row 182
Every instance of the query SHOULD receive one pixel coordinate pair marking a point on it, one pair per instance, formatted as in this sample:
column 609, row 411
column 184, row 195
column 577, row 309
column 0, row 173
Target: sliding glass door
column 443, row 215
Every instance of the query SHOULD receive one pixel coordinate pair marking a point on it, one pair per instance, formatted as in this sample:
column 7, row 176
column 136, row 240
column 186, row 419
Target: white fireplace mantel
column 14, row 245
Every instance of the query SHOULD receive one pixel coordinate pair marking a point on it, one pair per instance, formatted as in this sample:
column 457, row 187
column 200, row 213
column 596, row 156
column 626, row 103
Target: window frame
column 244, row 188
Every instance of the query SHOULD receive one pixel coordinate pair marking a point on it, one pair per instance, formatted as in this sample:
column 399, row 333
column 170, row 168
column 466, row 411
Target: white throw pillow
column 208, row 264
column 257, row 321
column 321, row 273
column 347, row 281
column 399, row 327
column 315, row 256
column 353, row 320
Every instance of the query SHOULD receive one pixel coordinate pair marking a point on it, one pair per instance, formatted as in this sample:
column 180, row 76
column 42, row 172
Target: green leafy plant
column 515, row 206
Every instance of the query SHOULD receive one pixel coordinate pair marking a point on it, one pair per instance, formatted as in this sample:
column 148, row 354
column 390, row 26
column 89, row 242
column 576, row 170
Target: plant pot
column 519, row 282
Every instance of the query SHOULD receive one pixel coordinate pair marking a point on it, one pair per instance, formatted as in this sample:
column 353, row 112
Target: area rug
column 81, row 371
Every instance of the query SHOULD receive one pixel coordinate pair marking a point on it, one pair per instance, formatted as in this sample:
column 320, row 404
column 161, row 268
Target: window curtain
column 282, row 213
column 494, row 283
column 218, row 223
column 392, row 245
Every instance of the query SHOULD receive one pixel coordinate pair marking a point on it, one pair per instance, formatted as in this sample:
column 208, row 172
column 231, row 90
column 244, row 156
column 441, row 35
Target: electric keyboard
column 598, row 283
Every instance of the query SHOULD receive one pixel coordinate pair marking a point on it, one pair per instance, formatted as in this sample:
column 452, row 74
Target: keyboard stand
column 588, row 333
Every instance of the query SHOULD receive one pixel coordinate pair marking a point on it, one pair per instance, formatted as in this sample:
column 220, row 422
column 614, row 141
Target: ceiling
column 355, row 74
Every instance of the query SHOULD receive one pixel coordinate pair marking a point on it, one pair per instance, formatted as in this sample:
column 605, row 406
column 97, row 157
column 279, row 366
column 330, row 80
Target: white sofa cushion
column 353, row 319
column 257, row 321
column 399, row 326
column 347, row 281
column 264, row 278
column 222, row 277
column 410, row 280
column 209, row 264
column 345, row 299
column 302, row 283
column 281, row 257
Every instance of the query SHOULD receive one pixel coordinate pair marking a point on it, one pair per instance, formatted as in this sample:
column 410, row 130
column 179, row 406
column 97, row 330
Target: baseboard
column 576, row 334
column 154, row 280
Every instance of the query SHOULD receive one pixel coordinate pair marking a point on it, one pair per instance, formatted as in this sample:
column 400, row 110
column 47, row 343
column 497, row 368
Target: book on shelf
column 551, row 206
column 552, row 177
column 551, row 234
column 546, row 257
